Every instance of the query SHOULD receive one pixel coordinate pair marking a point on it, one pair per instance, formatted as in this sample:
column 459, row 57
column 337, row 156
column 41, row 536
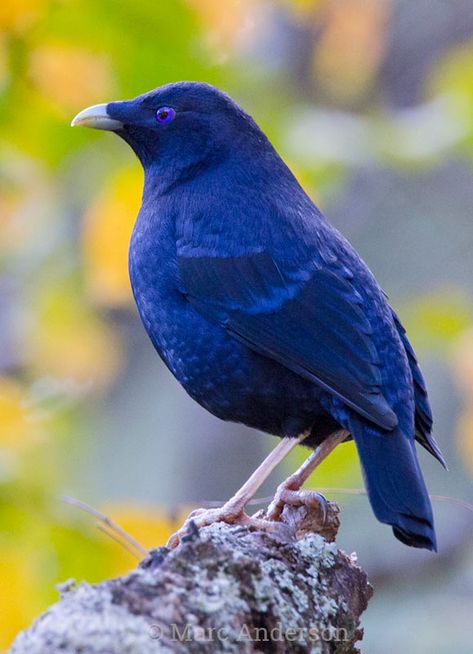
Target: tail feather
column 430, row 444
column 395, row 485
column 423, row 412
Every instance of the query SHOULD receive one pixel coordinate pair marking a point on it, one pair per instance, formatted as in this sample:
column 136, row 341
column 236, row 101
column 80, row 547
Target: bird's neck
column 162, row 176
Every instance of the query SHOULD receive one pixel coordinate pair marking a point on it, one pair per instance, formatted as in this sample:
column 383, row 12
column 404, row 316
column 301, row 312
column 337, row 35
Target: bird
column 263, row 311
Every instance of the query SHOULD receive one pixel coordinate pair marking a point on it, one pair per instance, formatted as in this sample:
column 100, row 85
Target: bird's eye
column 165, row 115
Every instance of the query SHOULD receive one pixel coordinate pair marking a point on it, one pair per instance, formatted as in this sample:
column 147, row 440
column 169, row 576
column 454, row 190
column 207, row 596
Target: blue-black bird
column 262, row 310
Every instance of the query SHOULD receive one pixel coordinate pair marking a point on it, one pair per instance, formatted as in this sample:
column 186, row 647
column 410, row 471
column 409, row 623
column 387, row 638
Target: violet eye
column 165, row 115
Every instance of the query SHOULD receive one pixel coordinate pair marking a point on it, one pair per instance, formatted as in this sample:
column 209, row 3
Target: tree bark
column 226, row 588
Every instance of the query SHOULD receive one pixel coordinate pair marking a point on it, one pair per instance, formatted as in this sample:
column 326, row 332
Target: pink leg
column 289, row 492
column 233, row 510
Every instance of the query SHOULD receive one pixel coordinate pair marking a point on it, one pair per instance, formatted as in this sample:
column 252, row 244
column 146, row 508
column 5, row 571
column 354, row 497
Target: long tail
column 395, row 485
column 423, row 412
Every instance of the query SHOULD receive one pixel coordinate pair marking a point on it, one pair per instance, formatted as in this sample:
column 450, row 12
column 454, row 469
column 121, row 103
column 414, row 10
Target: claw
column 295, row 497
column 307, row 498
column 202, row 518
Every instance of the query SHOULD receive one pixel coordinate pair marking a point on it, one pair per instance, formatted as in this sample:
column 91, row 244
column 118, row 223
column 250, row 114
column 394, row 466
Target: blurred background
column 371, row 104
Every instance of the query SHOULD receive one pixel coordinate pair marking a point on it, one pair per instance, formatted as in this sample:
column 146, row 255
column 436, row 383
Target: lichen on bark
column 227, row 588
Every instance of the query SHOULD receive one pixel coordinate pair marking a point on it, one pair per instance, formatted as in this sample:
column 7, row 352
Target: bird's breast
column 204, row 359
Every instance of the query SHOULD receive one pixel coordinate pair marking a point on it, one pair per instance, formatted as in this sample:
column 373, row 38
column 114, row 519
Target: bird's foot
column 286, row 495
column 307, row 511
column 303, row 510
column 292, row 513
column 298, row 512
column 230, row 513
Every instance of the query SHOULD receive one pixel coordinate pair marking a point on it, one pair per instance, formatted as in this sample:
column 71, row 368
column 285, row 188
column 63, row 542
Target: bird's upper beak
column 97, row 117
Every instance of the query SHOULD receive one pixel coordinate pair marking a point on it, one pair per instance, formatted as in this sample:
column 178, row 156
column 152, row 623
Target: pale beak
column 97, row 117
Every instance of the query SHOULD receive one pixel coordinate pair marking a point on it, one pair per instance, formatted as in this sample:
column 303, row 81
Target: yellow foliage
column 72, row 343
column 18, row 596
column 17, row 15
column 3, row 63
column 70, row 77
column 19, row 423
column 227, row 23
column 107, row 229
column 453, row 74
column 150, row 527
column 10, row 200
column 351, row 47
column 340, row 469
column 435, row 320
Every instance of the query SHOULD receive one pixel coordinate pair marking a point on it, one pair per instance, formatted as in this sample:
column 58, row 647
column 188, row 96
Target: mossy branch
column 225, row 589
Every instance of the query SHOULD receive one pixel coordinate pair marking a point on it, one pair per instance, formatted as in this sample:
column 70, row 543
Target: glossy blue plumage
column 260, row 308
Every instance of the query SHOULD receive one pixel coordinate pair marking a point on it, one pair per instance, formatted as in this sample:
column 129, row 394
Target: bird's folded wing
column 309, row 320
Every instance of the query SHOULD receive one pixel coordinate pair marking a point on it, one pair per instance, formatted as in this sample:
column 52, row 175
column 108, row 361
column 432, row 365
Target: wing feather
column 309, row 319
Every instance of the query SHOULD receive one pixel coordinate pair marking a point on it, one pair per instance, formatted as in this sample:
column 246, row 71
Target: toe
column 203, row 518
column 173, row 541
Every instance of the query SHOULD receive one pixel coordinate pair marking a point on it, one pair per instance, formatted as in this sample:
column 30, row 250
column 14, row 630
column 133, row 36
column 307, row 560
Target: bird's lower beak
column 97, row 117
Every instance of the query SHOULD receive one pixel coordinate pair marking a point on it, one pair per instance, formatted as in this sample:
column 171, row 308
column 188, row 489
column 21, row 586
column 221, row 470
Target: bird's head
column 178, row 127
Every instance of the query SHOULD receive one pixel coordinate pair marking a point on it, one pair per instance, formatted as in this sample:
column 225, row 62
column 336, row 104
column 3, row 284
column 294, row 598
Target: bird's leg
column 233, row 510
column 291, row 492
